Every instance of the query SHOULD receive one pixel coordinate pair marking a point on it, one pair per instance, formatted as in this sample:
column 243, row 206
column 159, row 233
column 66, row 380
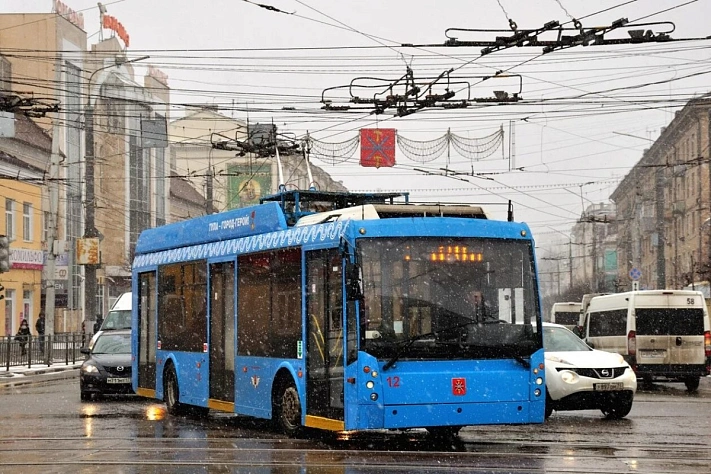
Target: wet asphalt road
column 45, row 428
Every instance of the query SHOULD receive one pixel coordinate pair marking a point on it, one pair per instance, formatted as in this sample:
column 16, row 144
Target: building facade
column 22, row 157
column 130, row 161
column 46, row 60
column 663, row 205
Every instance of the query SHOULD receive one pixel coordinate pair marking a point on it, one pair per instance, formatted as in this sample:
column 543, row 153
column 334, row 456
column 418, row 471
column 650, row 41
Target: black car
column 107, row 369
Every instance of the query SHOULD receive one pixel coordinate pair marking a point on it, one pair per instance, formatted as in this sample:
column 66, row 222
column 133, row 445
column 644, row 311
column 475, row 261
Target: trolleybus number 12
column 394, row 382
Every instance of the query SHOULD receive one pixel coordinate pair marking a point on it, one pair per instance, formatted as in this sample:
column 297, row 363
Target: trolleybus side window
column 269, row 303
column 182, row 306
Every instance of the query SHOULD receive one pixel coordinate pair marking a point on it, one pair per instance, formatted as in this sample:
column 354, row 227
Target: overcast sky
column 572, row 130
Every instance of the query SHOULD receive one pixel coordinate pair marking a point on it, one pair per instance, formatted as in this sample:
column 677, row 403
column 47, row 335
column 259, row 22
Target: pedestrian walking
column 39, row 327
column 97, row 324
column 23, row 336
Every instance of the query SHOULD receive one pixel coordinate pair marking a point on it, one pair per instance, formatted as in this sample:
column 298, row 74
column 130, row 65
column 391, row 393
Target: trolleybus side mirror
column 354, row 288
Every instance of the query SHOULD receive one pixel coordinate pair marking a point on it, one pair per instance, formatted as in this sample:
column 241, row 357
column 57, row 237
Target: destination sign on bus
column 451, row 254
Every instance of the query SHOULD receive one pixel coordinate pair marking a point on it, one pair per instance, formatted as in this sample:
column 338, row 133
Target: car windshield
column 117, row 319
column 444, row 298
column 557, row 339
column 112, row 344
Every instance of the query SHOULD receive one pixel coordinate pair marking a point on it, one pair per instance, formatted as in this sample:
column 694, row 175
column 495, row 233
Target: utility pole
column 90, row 231
column 570, row 265
column 52, row 233
column 570, row 257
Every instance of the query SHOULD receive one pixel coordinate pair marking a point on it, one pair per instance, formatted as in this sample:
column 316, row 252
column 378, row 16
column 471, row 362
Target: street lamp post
column 90, row 231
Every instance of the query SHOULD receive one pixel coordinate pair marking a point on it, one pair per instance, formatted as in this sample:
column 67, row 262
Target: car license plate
column 118, row 380
column 654, row 354
column 608, row 387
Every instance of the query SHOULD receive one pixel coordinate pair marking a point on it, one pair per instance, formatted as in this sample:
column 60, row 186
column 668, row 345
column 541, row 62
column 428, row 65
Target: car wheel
column 692, row 384
column 549, row 406
column 444, row 433
column 288, row 410
column 172, row 393
column 618, row 411
column 85, row 396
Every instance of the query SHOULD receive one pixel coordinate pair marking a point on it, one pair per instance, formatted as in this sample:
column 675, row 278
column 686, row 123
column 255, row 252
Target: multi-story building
column 98, row 93
column 663, row 205
column 44, row 56
column 131, row 165
column 22, row 159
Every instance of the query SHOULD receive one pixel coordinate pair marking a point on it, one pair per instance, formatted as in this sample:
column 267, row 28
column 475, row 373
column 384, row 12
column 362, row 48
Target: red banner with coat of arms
column 377, row 147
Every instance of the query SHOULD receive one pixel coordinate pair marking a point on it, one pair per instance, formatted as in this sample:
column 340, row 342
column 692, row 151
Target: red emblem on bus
column 459, row 386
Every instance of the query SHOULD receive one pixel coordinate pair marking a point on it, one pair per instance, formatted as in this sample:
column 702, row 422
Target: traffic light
column 4, row 254
column 2, row 288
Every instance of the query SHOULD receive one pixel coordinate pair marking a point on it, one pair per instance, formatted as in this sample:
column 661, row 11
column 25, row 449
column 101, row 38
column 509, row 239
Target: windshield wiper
column 409, row 342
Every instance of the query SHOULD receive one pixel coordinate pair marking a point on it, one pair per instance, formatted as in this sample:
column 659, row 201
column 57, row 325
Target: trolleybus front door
column 146, row 334
column 222, row 336
column 324, row 330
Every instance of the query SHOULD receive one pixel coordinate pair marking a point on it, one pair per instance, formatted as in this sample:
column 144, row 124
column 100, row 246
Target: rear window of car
column 670, row 321
column 567, row 317
column 608, row 323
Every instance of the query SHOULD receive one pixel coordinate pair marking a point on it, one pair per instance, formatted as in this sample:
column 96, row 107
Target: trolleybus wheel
column 444, row 432
column 692, row 384
column 288, row 410
column 172, row 393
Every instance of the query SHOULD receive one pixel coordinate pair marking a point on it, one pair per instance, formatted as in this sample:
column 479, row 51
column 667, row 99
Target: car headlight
column 568, row 376
column 90, row 369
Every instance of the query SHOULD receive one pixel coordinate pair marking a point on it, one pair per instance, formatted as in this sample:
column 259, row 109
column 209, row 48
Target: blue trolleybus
column 343, row 312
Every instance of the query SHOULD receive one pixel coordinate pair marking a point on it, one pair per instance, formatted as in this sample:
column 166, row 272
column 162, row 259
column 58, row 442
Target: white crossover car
column 581, row 378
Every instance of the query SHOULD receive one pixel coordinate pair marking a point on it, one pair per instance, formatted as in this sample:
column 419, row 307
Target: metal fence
column 49, row 350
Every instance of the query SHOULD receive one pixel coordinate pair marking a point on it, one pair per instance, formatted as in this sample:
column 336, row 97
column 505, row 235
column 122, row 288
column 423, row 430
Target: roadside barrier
column 49, row 350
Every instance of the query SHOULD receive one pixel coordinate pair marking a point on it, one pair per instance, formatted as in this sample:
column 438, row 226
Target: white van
column 664, row 335
column 119, row 316
column 567, row 314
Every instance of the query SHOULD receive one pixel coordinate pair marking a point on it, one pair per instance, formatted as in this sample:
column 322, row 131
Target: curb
column 39, row 376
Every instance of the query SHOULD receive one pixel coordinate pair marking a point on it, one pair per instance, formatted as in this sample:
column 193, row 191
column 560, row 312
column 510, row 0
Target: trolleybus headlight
column 373, row 396
column 374, row 373
column 369, row 384
column 539, row 381
column 569, row 376
column 537, row 392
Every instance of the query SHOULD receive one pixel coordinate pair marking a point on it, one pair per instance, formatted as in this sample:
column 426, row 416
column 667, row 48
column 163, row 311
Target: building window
column 5, row 74
column 139, row 184
column 10, row 325
column 27, row 221
column 45, row 226
column 160, row 183
column 10, row 218
column 27, row 305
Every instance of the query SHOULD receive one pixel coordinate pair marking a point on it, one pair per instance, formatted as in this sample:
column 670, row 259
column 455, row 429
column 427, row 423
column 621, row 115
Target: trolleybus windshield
column 435, row 298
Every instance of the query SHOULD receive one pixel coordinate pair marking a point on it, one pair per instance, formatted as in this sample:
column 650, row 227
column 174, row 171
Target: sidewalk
column 22, row 375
